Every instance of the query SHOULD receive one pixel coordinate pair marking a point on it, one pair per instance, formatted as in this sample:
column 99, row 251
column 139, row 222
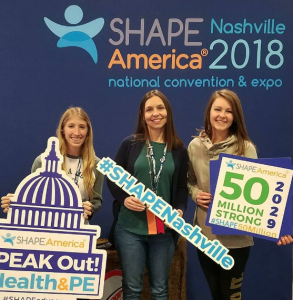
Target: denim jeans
column 135, row 251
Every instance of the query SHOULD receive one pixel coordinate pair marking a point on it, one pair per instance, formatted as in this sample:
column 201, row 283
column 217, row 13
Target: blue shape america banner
column 186, row 49
column 46, row 249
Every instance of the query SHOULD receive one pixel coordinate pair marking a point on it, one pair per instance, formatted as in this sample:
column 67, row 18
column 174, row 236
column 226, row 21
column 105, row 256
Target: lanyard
column 77, row 173
column 156, row 176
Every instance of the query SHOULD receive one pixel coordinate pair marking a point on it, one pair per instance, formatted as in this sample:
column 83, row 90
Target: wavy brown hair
column 87, row 149
column 238, row 127
column 171, row 137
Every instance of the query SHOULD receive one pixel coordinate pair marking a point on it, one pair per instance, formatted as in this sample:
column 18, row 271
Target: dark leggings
column 225, row 284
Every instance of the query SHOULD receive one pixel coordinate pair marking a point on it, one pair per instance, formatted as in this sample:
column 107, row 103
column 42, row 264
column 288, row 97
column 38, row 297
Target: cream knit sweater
column 201, row 151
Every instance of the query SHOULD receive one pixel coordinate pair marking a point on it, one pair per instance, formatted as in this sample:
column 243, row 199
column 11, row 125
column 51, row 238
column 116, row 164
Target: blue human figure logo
column 77, row 35
column 8, row 238
column 230, row 164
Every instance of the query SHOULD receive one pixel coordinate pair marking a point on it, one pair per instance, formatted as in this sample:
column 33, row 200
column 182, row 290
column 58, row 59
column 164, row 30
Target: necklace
column 153, row 172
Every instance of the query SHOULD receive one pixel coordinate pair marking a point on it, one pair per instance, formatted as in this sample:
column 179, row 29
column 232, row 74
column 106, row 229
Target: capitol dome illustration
column 48, row 198
column 45, row 221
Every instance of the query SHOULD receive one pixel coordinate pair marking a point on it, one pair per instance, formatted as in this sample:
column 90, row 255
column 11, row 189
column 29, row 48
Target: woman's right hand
column 203, row 199
column 5, row 202
column 133, row 203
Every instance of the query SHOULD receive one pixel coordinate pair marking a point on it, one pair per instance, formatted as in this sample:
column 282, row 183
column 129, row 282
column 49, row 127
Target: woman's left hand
column 87, row 209
column 285, row 240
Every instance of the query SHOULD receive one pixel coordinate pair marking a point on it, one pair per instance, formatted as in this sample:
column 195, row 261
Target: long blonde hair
column 87, row 149
column 238, row 127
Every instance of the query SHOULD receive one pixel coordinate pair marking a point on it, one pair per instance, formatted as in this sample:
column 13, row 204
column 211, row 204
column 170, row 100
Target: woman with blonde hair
column 75, row 136
column 224, row 132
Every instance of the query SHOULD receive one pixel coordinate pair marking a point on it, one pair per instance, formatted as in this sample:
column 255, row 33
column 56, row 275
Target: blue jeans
column 135, row 251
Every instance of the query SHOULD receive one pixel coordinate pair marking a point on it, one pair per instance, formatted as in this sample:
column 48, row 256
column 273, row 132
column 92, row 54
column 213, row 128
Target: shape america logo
column 8, row 238
column 230, row 164
column 77, row 35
